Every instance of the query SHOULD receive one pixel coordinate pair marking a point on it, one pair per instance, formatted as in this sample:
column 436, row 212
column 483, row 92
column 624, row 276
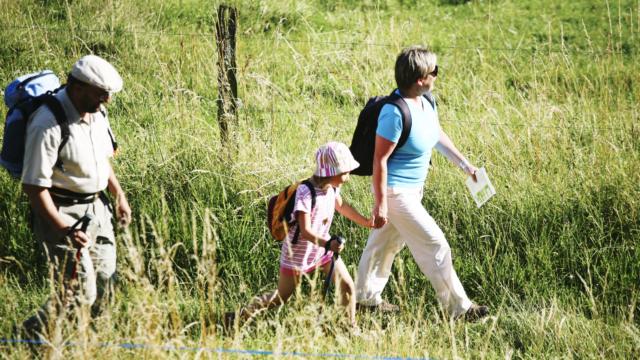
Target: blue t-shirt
column 408, row 165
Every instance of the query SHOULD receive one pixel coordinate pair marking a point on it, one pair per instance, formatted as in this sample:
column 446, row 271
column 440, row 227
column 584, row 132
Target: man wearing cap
column 65, row 187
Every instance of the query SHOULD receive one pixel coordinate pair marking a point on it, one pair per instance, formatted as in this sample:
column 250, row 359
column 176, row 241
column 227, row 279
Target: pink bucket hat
column 334, row 158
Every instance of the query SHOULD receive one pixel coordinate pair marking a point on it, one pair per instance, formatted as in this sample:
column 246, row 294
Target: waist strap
column 68, row 197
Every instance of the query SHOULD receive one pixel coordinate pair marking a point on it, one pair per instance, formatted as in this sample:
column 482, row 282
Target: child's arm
column 306, row 234
column 352, row 214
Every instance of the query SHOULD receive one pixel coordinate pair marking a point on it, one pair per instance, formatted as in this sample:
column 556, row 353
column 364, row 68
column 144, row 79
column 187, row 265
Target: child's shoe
column 383, row 307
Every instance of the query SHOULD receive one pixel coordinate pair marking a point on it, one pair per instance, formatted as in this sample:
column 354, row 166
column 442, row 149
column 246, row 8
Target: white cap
column 333, row 159
column 96, row 71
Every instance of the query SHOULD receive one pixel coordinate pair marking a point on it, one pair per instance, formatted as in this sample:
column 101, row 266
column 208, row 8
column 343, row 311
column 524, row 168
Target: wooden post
column 227, row 84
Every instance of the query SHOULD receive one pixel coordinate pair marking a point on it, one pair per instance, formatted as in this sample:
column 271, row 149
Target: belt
column 68, row 197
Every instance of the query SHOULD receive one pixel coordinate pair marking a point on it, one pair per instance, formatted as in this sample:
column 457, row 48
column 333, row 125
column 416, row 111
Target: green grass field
column 542, row 93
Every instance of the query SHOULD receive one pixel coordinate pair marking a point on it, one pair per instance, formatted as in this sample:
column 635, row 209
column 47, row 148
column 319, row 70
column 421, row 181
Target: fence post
column 227, row 85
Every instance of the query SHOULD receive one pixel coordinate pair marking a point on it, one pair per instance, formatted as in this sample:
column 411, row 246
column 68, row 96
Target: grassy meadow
column 542, row 93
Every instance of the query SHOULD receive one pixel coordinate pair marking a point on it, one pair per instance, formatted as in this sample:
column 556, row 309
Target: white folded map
column 480, row 190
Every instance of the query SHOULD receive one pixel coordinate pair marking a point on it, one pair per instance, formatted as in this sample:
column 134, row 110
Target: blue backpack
column 23, row 97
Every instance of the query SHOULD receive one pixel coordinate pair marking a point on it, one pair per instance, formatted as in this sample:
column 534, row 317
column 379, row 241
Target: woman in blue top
column 398, row 181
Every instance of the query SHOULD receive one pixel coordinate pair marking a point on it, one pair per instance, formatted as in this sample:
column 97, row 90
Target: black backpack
column 363, row 142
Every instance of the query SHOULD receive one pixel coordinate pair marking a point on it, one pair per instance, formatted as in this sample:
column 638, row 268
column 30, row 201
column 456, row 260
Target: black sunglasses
column 434, row 72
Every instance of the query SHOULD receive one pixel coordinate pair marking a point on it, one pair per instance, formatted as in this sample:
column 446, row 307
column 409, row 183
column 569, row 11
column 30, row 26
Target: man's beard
column 92, row 108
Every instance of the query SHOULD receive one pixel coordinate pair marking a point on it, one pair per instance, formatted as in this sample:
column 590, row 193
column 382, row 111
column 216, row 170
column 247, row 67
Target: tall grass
column 541, row 93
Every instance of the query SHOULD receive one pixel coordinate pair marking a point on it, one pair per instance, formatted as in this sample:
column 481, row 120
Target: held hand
column 123, row 211
column 371, row 223
column 380, row 222
column 380, row 216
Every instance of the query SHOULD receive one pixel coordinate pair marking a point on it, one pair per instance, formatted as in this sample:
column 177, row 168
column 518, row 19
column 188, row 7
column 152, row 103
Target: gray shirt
column 85, row 156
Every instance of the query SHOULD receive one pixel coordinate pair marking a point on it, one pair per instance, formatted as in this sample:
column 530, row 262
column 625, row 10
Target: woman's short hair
column 413, row 63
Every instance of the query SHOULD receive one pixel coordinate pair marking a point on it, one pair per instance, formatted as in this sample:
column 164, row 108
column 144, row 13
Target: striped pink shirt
column 306, row 255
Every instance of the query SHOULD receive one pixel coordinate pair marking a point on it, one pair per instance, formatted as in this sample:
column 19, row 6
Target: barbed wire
column 111, row 31
column 541, row 48
column 354, row 111
column 351, row 112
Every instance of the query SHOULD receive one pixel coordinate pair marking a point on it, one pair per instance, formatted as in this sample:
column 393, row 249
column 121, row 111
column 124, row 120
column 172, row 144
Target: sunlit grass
column 541, row 93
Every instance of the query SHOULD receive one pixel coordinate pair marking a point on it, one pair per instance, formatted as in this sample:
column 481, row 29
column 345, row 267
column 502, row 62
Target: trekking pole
column 335, row 257
column 84, row 220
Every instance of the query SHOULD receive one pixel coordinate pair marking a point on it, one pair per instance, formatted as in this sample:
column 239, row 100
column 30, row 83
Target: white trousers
column 410, row 224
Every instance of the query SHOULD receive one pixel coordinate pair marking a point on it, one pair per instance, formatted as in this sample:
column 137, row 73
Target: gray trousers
column 80, row 277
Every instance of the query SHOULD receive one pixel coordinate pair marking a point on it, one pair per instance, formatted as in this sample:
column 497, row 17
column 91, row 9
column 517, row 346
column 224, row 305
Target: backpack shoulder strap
column 61, row 118
column 114, row 143
column 312, row 190
column 56, row 108
column 431, row 99
column 397, row 100
column 290, row 199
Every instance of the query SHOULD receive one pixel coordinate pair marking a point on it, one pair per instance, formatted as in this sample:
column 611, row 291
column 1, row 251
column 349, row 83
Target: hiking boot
column 476, row 312
column 16, row 331
column 383, row 307
column 30, row 337
column 228, row 322
column 26, row 333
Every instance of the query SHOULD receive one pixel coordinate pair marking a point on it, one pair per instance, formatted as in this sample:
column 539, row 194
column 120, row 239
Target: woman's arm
column 384, row 149
column 446, row 147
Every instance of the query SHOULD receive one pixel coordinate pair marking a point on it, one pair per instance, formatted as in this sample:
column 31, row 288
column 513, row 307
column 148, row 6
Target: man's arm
column 123, row 211
column 42, row 204
column 446, row 147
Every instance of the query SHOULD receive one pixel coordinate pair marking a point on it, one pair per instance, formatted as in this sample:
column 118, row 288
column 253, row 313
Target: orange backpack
column 280, row 209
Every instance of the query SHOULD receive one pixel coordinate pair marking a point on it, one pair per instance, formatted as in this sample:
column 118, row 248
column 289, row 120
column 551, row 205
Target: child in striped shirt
column 315, row 248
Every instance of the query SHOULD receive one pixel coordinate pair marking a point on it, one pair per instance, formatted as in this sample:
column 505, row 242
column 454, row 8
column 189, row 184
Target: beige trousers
column 410, row 224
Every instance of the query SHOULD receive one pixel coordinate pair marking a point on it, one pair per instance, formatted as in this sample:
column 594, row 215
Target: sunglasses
column 434, row 72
